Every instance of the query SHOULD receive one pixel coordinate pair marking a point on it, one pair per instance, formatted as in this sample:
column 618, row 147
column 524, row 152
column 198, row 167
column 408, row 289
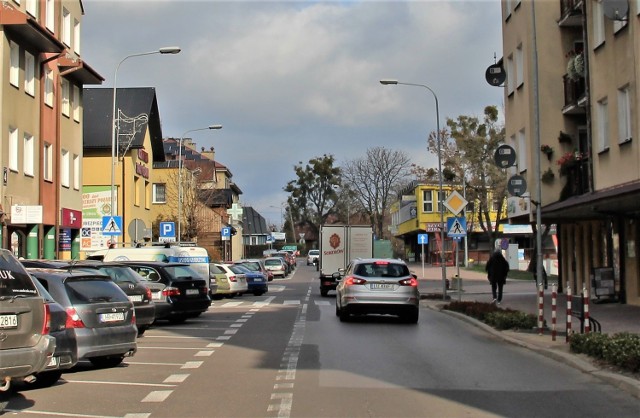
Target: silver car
column 377, row 286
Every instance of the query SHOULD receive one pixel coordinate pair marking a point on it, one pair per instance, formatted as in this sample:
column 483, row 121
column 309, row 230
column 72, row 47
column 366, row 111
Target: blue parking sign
column 167, row 230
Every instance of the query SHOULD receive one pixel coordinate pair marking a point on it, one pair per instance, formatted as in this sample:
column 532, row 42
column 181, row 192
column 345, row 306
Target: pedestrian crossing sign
column 111, row 225
column 457, row 227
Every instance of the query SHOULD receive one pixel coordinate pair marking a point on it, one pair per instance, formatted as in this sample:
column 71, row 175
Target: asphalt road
column 285, row 354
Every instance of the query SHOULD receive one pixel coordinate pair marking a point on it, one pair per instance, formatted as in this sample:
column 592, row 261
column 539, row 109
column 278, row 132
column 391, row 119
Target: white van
column 197, row 257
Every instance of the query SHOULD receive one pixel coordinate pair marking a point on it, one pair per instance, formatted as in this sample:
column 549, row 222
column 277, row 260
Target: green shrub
column 476, row 310
column 511, row 320
column 623, row 350
column 591, row 344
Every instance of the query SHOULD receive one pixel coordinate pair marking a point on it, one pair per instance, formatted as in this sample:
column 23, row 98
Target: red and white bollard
column 569, row 313
column 585, row 299
column 540, row 308
column 554, row 298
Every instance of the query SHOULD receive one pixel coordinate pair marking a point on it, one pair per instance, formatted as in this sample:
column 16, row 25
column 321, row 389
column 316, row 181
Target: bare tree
column 372, row 180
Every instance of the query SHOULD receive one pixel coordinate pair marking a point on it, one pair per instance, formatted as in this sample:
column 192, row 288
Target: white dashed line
column 203, row 353
column 192, row 365
column 157, row 396
column 176, row 378
column 291, row 302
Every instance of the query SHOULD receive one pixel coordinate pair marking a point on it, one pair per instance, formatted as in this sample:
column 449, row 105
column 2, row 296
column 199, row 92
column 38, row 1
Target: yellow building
column 418, row 212
column 572, row 103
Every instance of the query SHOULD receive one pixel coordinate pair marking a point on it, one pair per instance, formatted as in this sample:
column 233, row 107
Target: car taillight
column 170, row 291
column 148, row 292
column 350, row 281
column 409, row 282
column 46, row 325
column 232, row 278
column 133, row 316
column 73, row 320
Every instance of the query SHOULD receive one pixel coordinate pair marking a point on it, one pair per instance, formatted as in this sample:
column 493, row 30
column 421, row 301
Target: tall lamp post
column 180, row 174
column 440, row 192
column 116, row 123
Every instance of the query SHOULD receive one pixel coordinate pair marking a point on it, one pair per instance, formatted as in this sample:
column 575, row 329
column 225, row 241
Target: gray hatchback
column 26, row 345
column 377, row 286
column 99, row 312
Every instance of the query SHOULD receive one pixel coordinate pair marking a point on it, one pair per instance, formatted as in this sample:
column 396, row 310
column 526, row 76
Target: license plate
column 156, row 296
column 8, row 321
column 111, row 317
column 381, row 286
column 135, row 298
column 257, row 280
column 191, row 292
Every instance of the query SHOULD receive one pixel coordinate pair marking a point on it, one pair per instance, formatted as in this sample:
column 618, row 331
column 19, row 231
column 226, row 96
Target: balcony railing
column 574, row 91
column 570, row 13
column 577, row 176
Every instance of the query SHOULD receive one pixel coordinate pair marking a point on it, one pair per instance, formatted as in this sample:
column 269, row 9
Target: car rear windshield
column 213, row 269
column 250, row 266
column 93, row 290
column 273, row 263
column 381, row 270
column 14, row 279
column 314, row 252
column 182, row 272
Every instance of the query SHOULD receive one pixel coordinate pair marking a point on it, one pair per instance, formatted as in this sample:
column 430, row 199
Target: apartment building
column 41, row 118
column 572, row 113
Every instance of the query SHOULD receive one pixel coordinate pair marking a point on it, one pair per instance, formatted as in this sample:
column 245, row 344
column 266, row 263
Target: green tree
column 467, row 156
column 312, row 195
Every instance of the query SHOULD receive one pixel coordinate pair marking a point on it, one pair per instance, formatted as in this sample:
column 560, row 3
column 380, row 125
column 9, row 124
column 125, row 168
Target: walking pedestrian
column 497, row 269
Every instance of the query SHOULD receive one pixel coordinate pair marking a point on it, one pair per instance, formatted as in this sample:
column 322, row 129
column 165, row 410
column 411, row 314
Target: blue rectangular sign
column 423, row 238
column 167, row 230
column 457, row 227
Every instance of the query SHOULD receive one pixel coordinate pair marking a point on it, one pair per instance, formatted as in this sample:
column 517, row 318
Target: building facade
column 572, row 114
column 41, row 118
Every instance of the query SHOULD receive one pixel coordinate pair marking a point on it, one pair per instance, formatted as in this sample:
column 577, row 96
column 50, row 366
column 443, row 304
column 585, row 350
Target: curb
column 627, row 384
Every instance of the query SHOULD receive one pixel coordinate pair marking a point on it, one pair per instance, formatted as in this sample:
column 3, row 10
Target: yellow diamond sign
column 455, row 202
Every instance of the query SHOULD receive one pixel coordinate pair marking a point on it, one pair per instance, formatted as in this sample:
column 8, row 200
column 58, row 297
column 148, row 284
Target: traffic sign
column 505, row 156
column 167, row 232
column 225, row 232
column 455, row 202
column 517, row 185
column 423, row 239
column 456, row 227
column 111, row 225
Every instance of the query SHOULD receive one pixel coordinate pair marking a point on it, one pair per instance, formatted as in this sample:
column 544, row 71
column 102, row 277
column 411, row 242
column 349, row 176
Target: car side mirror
column 337, row 276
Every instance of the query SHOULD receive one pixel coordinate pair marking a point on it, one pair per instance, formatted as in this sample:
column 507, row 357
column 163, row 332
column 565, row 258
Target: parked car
column 128, row 280
column 237, row 280
column 256, row 264
column 256, row 281
column 290, row 259
column 219, row 285
column 99, row 313
column 27, row 347
column 65, row 355
column 277, row 266
column 377, row 286
column 312, row 257
column 185, row 293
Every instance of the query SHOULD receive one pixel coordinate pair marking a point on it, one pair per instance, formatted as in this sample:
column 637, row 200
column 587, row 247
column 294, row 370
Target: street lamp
column 115, row 121
column 440, row 192
column 180, row 175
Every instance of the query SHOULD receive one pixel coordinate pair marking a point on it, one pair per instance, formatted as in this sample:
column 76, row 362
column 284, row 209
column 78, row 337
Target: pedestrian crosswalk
column 271, row 300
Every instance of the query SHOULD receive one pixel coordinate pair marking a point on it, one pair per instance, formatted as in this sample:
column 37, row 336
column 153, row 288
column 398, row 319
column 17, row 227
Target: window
column 513, row 170
column 65, row 169
column 507, row 7
column 427, row 201
column 14, row 72
column 76, row 103
column 519, row 66
column 624, row 115
column 147, row 195
column 495, row 204
column 602, row 120
column 522, row 151
column 598, row 24
column 50, row 21
column 29, row 74
column 32, row 8
column 48, row 87
column 29, row 155
column 136, row 191
column 66, row 27
column 159, row 193
column 76, row 36
column 510, row 79
column 13, row 149
column 47, row 157
column 441, row 198
column 76, row 172
column 65, row 97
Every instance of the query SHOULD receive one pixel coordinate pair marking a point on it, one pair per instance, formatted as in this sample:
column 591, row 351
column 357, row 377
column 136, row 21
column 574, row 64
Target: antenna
column 615, row 9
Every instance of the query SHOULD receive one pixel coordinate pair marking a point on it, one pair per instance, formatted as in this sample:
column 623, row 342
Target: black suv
column 26, row 346
column 185, row 295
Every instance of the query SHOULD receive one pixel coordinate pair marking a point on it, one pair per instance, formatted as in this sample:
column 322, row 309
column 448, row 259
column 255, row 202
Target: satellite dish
column 615, row 9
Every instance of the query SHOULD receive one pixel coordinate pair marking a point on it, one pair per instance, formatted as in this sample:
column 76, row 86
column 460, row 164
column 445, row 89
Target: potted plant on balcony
column 575, row 65
column 546, row 150
column 569, row 160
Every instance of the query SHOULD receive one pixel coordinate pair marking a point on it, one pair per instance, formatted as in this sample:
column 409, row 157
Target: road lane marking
column 176, row 378
column 322, row 303
column 224, row 338
column 192, row 365
column 291, row 302
column 203, row 353
column 215, row 345
column 104, row 382
column 153, row 364
column 157, row 396
column 59, row 414
column 147, row 347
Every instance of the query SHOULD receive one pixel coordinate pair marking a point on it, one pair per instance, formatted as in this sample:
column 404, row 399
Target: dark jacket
column 497, row 268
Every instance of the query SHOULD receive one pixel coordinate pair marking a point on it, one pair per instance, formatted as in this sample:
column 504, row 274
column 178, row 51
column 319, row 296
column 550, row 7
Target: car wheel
column 344, row 315
column 177, row 319
column 324, row 292
column 337, row 309
column 411, row 318
column 142, row 329
column 45, row 379
column 106, row 361
column 258, row 293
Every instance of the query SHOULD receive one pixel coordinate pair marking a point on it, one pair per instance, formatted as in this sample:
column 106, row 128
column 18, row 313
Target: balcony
column 570, row 13
column 574, row 96
column 577, row 175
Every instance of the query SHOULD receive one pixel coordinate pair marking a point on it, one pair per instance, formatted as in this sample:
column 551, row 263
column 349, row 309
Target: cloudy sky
column 290, row 81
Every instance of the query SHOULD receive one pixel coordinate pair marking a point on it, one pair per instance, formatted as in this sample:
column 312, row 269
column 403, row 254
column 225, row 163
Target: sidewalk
column 522, row 296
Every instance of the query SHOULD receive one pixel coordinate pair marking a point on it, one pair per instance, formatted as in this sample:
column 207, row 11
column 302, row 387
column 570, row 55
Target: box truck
column 339, row 244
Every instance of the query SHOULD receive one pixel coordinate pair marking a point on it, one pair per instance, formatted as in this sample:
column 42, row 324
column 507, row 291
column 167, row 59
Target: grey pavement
column 523, row 296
